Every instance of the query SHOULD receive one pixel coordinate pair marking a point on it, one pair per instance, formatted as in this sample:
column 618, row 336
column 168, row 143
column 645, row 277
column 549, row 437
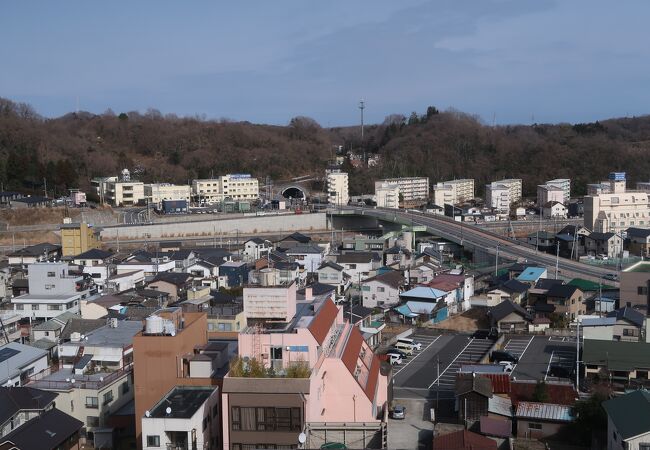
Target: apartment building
column 514, row 185
column 124, row 193
column 617, row 209
column 11, row 330
column 78, row 237
column 411, row 188
column 327, row 380
column 549, row 193
column 226, row 187
column 453, row 191
column 565, row 185
column 387, row 195
column 635, row 285
column 337, row 187
column 643, row 186
column 54, row 288
column 498, row 196
column 157, row 192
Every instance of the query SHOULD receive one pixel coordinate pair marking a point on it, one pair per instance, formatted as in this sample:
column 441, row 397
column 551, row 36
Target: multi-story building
column 156, row 193
column 123, row 191
column 100, row 186
column 514, row 185
column 11, row 331
column 411, row 188
column 239, row 186
column 565, row 185
column 617, row 209
column 453, row 191
column 635, row 285
column 387, row 195
column 53, row 289
column 549, row 193
column 77, row 238
column 643, row 186
column 327, row 381
column 20, row 362
column 337, row 187
column 498, row 196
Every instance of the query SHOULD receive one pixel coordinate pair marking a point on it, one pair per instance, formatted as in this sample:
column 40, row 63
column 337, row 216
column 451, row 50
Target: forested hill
column 69, row 150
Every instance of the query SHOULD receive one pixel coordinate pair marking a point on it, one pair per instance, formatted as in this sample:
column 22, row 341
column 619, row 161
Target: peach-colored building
column 345, row 389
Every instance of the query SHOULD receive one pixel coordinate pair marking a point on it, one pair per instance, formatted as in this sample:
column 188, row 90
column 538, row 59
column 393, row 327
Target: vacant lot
column 467, row 321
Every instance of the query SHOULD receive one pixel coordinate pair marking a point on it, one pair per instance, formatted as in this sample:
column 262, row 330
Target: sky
column 507, row 61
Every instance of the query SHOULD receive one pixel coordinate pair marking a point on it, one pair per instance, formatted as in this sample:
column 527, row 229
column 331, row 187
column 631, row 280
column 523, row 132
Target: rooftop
column 544, row 411
column 463, row 440
column 182, row 402
column 641, row 266
column 630, row 413
column 50, row 430
column 424, row 293
column 531, row 274
column 120, row 336
column 616, row 355
column 14, row 356
column 16, row 399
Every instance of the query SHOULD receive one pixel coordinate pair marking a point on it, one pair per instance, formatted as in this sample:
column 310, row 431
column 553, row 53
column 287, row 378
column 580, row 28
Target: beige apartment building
column 498, row 196
column 124, row 193
column 514, row 185
column 337, row 188
column 387, row 196
column 617, row 209
column 157, row 192
column 453, row 191
column 232, row 186
column 549, row 193
column 411, row 188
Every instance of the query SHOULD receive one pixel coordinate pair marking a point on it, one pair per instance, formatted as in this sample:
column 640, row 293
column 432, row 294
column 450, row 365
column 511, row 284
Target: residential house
column 50, row 430
column 531, row 275
column 509, row 317
column 554, row 210
column 20, row 405
column 12, row 331
column 236, row 273
column 186, row 417
column 413, row 311
column 460, row 286
column 308, row 256
column 399, row 256
column 628, row 421
column 34, row 253
column 512, row 290
column 19, row 362
column 567, row 299
column 635, row 285
column 51, row 329
column 333, row 274
column 365, row 243
column 604, row 244
column 463, row 440
column 359, row 265
column 629, row 325
column 639, row 241
column 382, row 290
column 542, row 240
column 292, row 240
column 183, row 259
column 627, row 364
column 151, row 264
column 541, row 420
column 176, row 284
column 472, row 397
column 256, row 248
column 92, row 257
column 124, row 281
column 422, row 273
column 598, row 328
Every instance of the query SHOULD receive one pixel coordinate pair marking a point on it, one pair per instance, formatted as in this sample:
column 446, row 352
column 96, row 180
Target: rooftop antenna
column 362, row 106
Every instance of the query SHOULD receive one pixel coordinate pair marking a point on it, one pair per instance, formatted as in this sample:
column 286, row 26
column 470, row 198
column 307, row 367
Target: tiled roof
column 558, row 393
column 506, row 307
column 352, row 349
column 321, row 324
column 463, row 440
column 391, row 278
column 629, row 314
column 473, row 383
column 94, row 253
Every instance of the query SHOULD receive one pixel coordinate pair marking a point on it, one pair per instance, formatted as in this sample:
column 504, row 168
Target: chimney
column 308, row 293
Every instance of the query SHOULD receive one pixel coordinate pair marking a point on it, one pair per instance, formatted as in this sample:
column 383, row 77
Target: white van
column 411, row 342
column 405, row 348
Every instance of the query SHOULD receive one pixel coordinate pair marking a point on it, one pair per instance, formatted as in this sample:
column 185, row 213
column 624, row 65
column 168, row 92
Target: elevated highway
column 472, row 237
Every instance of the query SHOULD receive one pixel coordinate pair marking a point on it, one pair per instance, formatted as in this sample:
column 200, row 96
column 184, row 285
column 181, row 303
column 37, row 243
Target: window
column 153, row 441
column 644, row 446
column 381, row 289
column 352, row 266
column 266, row 419
column 51, row 274
column 92, row 402
column 642, row 290
column 20, row 307
column 225, row 326
column 205, row 423
column 49, row 286
column 108, row 397
column 534, row 426
column 54, row 307
column 92, row 421
column 125, row 387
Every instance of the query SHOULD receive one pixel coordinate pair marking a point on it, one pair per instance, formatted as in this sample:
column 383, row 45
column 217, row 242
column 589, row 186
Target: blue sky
column 266, row 61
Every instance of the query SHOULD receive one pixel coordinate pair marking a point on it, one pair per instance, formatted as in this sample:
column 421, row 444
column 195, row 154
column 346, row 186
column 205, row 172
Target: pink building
column 345, row 388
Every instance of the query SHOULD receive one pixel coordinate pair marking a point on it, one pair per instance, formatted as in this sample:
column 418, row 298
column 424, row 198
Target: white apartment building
column 497, row 196
column 19, row 362
column 549, row 193
column 565, row 185
column 514, row 185
column 124, row 193
column 157, row 192
column 337, row 188
column 387, row 195
column 240, row 186
column 411, row 188
column 453, row 191
column 643, row 186
column 617, row 209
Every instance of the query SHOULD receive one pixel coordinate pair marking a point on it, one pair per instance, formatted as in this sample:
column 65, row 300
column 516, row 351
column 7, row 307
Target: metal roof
column 424, row 292
column 544, row 411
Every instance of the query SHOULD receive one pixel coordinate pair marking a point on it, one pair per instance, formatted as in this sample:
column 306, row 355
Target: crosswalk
column 471, row 354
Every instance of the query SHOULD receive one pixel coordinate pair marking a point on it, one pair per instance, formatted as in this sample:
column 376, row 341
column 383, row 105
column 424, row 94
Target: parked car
column 394, row 359
column 610, row 276
column 411, row 342
column 486, row 334
column 507, row 366
column 395, row 351
column 399, row 412
column 558, row 371
column 502, row 355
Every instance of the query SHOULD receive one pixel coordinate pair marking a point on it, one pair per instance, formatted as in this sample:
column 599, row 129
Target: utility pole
column 496, row 263
column 557, row 259
column 578, row 355
column 362, row 106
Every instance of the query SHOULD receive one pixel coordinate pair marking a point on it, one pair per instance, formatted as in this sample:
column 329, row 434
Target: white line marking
column 522, row 354
column 549, row 365
column 453, row 361
column 413, row 359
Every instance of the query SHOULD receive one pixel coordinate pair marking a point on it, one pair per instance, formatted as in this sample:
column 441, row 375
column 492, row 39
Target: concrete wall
column 257, row 224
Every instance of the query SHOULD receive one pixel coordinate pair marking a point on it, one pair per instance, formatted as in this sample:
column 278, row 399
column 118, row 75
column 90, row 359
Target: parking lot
column 537, row 354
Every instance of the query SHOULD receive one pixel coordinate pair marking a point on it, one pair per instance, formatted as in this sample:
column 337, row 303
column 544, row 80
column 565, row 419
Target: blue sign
column 617, row 176
column 298, row 348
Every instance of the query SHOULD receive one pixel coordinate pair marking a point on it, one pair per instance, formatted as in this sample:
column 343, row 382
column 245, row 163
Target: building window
column 266, row 419
column 125, row 387
column 644, row 446
column 92, row 421
column 51, row 274
column 225, row 326
column 20, row 307
column 534, row 426
column 54, row 307
column 92, row 402
column 108, row 397
column 642, row 290
column 153, row 441
column 381, row 289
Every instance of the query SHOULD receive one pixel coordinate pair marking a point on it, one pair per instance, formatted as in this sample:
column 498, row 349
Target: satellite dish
column 168, row 410
column 147, row 413
column 302, row 438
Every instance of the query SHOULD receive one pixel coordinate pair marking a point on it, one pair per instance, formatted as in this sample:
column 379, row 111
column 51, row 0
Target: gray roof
column 304, row 249
column 466, row 383
column 596, row 236
column 183, row 401
column 50, row 430
column 94, row 253
column 332, row 265
column 631, row 315
column 562, row 290
column 175, row 278
column 630, row 413
column 514, row 286
column 638, row 232
column 615, row 355
column 506, row 307
column 355, row 257
column 14, row 356
column 121, row 336
column 544, row 411
column 16, row 399
column 36, row 250
column 392, row 278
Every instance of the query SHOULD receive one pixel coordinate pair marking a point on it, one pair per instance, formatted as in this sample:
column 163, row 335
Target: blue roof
column 421, row 307
column 424, row 292
column 405, row 311
column 531, row 274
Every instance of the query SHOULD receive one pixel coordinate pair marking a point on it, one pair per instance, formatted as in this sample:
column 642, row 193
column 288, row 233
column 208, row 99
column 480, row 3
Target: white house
column 333, row 274
column 256, row 248
column 186, row 417
column 554, row 210
column 382, row 290
column 358, row 265
column 19, row 362
column 308, row 257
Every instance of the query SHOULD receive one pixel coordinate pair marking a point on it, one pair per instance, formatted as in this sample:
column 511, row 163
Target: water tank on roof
column 154, row 325
column 268, row 277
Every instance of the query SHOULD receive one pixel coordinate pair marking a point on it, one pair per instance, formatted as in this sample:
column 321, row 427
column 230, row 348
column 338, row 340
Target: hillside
column 69, row 150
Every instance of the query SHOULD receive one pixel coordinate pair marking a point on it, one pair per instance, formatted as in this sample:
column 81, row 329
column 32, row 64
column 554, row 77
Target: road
column 470, row 235
column 134, row 216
